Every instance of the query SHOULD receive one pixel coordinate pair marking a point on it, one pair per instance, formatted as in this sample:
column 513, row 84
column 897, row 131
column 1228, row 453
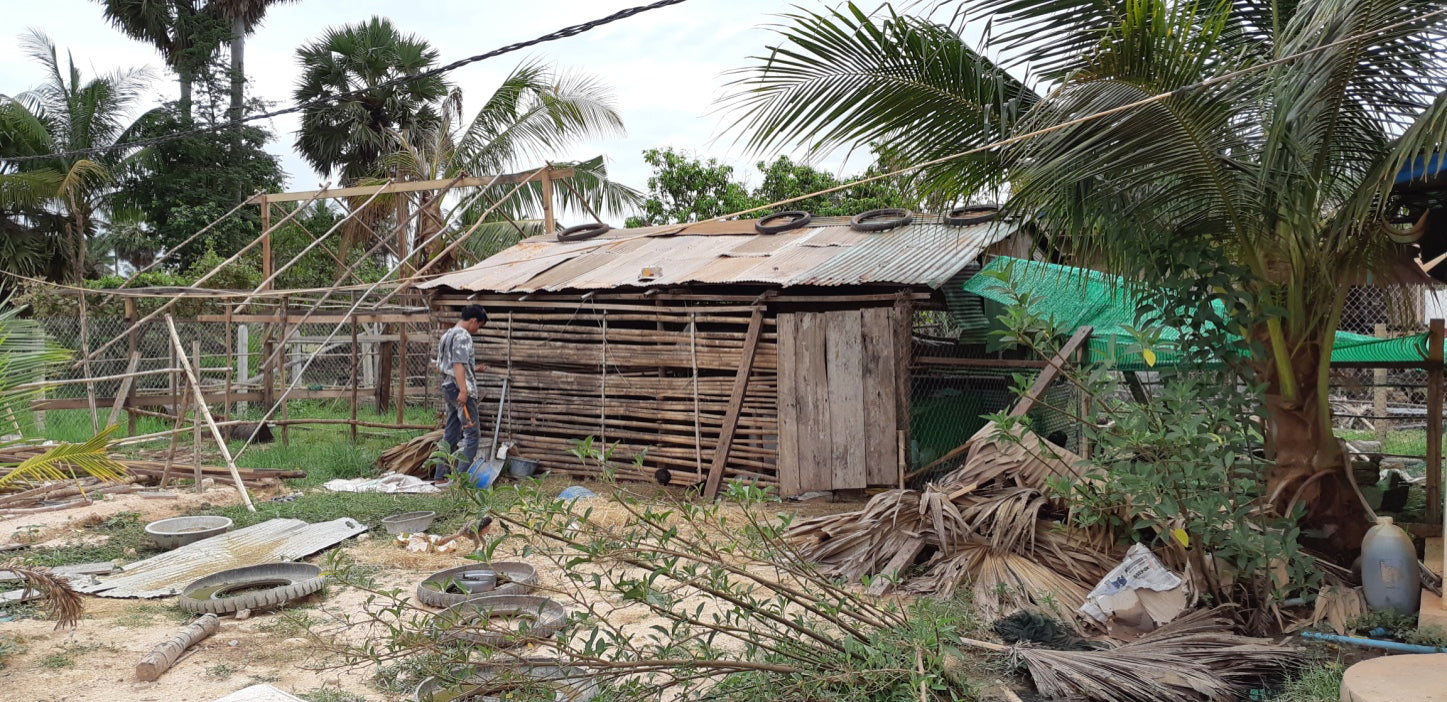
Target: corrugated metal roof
column 268, row 542
column 826, row 253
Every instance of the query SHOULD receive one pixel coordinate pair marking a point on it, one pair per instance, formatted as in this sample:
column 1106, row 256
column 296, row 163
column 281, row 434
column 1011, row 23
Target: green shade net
column 1075, row 297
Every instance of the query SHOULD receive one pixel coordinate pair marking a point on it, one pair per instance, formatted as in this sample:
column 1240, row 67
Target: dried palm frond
column 1017, row 458
column 1006, row 517
column 1193, row 658
column 60, row 600
column 1337, row 605
column 412, row 457
column 1002, row 582
column 893, row 528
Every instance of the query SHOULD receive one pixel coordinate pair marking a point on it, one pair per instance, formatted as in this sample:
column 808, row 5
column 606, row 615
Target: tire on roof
column 881, row 219
column 792, row 219
column 582, row 232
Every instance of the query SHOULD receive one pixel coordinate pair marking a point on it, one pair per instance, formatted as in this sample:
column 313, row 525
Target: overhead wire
column 563, row 33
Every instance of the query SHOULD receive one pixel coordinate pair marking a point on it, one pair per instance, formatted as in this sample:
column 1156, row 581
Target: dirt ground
column 96, row 661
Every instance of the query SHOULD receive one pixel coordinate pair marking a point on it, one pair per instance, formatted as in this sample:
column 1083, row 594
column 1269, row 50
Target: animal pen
column 235, row 358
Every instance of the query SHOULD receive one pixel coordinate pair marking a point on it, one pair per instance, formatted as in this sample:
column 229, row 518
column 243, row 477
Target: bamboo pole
column 132, row 349
column 196, row 425
column 284, row 350
column 355, row 382
column 85, row 365
column 266, row 233
column 697, row 429
column 210, row 421
column 175, row 441
column 402, row 374
column 230, row 368
column 1379, row 394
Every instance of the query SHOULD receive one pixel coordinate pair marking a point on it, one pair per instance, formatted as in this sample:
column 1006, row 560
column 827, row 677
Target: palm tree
column 186, row 32
column 534, row 114
column 66, row 113
column 351, row 135
column 243, row 16
column 1285, row 170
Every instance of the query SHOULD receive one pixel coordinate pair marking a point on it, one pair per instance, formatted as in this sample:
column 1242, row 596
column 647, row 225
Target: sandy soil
column 95, row 662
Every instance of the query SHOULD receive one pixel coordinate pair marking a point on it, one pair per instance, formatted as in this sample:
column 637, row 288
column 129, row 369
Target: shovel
column 486, row 470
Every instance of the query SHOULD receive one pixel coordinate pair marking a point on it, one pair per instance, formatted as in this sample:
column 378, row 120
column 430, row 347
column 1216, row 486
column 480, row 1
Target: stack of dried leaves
column 985, row 527
column 412, row 457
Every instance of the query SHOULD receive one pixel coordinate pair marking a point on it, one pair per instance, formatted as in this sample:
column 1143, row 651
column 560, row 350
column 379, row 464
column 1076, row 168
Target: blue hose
column 1373, row 643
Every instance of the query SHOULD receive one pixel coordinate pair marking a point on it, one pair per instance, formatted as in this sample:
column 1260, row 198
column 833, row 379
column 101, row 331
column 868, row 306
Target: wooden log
column 166, row 653
column 126, row 383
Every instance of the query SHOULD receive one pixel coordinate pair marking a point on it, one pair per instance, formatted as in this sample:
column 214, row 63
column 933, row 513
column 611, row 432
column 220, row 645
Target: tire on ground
column 256, row 588
column 548, row 618
column 513, row 578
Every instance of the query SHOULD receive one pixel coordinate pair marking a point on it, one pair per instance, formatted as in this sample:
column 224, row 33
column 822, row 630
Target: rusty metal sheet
column 828, row 253
column 268, row 542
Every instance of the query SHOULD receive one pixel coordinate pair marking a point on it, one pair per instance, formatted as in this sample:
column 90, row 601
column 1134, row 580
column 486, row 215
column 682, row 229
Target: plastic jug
column 1390, row 576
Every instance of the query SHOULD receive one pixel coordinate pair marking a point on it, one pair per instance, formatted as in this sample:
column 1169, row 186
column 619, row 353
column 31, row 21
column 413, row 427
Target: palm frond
column 61, row 601
column 63, row 462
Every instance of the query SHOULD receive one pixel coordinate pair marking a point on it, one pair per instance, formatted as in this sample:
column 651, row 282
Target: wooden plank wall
column 838, row 408
column 631, row 373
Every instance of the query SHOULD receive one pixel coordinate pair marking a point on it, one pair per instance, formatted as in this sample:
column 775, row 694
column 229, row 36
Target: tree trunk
column 1310, row 469
column 184, row 104
column 238, row 68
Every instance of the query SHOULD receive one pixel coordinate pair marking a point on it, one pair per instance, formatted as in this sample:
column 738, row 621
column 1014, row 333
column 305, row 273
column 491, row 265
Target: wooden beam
column 415, row 186
column 206, row 413
column 1434, row 422
column 126, row 383
column 1057, row 363
column 736, row 401
column 391, row 318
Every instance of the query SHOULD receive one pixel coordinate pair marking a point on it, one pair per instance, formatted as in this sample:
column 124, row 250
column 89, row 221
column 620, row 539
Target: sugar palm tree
column 351, row 135
column 534, row 114
column 66, row 113
column 1285, row 170
column 186, row 32
column 243, row 17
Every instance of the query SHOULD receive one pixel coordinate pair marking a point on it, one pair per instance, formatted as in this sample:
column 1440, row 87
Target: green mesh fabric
column 1076, row 297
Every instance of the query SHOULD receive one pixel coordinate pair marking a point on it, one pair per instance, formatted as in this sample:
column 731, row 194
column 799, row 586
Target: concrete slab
column 1432, row 613
column 1415, row 677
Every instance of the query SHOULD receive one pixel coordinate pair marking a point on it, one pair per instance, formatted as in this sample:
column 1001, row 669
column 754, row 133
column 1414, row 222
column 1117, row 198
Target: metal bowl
column 409, row 522
column 179, row 531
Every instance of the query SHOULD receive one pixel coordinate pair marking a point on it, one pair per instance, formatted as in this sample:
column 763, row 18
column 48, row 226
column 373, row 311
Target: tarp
column 1075, row 297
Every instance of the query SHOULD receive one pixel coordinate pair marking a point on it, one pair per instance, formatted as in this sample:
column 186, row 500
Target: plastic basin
column 179, row 531
column 521, row 468
column 408, row 522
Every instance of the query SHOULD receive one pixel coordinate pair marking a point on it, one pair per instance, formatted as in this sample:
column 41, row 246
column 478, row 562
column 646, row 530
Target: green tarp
column 1076, row 297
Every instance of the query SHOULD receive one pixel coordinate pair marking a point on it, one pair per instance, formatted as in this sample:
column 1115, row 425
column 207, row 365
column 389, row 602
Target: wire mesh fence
column 241, row 369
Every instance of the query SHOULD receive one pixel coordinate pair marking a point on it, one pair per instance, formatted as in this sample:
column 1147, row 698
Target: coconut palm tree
column 532, row 116
column 351, row 135
column 1285, row 168
column 66, row 113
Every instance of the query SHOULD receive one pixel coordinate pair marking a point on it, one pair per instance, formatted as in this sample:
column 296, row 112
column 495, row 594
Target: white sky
column 665, row 66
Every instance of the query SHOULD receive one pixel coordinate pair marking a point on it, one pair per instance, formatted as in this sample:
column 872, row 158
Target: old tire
column 495, row 681
column 967, row 215
column 457, row 621
column 881, row 219
column 513, row 578
column 782, row 221
column 253, row 587
column 583, row 231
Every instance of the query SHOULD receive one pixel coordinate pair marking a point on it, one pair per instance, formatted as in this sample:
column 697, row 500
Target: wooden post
column 281, row 360
column 402, row 373
column 697, row 410
column 196, row 420
column 133, row 350
column 355, row 380
column 85, row 364
column 1435, row 511
column 265, row 240
column 736, row 402
column 1380, row 423
column 549, row 223
column 903, row 363
column 175, row 442
column 230, row 367
column 206, row 414
column 243, row 359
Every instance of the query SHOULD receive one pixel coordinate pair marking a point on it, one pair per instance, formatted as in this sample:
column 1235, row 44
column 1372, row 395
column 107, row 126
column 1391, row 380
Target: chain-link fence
column 243, row 370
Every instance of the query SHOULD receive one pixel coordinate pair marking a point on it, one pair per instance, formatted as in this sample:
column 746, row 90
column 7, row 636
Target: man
column 459, row 388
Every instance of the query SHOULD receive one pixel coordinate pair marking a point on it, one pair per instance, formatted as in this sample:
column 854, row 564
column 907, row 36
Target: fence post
column 356, row 382
column 282, row 360
column 1434, row 422
column 243, row 361
column 1379, row 394
column 132, row 348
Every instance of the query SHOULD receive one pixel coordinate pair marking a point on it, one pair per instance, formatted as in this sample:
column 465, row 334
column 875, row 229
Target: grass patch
column 220, row 671
column 66, row 656
column 1399, row 443
column 9, row 646
column 1318, row 683
column 286, row 624
column 126, row 540
column 370, row 509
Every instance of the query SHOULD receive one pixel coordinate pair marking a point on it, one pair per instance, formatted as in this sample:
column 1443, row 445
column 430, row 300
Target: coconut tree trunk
column 238, row 67
column 184, row 104
column 1310, row 470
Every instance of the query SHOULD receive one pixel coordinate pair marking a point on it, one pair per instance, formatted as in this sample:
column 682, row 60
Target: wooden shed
column 783, row 359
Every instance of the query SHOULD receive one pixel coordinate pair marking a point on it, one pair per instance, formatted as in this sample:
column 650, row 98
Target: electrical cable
column 563, row 33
